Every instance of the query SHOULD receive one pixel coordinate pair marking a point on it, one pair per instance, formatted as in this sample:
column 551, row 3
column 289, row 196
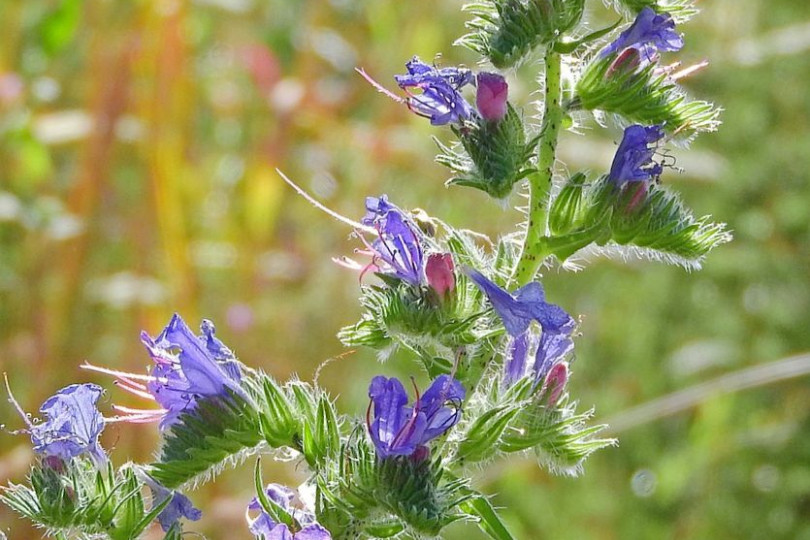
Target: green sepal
column 321, row 437
column 223, row 431
column 403, row 315
column 492, row 155
column 151, row 516
column 681, row 10
column 559, row 436
column 506, row 31
column 276, row 512
column 278, row 423
column 566, row 206
column 645, row 96
column 484, row 433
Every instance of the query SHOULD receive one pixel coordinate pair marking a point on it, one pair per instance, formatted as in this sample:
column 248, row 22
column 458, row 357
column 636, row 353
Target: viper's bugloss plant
column 496, row 354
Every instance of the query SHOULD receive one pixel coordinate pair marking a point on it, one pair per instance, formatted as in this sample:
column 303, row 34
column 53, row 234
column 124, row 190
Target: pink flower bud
column 555, row 382
column 439, row 271
column 491, row 96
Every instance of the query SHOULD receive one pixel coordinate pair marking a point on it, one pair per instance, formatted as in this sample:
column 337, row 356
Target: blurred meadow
column 138, row 146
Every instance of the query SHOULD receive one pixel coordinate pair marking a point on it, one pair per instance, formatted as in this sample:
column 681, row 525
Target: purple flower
column 179, row 506
column 491, row 96
column 398, row 241
column 527, row 304
column 400, row 430
column 264, row 525
column 187, row 368
column 549, row 349
column 633, row 161
column 649, row 34
column 518, row 311
column 553, row 347
column 439, row 98
column 71, row 426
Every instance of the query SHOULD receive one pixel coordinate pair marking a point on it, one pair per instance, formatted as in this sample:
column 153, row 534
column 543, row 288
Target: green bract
column 495, row 155
column 506, row 31
column 646, row 96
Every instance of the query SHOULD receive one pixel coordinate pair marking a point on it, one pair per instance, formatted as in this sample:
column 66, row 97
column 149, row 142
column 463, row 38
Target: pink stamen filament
column 139, row 412
column 122, row 375
column 16, row 405
column 125, row 385
column 380, row 88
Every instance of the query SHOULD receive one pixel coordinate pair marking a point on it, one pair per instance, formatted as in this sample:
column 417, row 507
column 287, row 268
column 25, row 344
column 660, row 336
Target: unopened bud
column 555, row 382
column 491, row 96
column 440, row 273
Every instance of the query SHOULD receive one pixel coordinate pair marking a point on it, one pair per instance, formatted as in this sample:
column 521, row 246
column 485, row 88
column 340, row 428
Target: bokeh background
column 138, row 147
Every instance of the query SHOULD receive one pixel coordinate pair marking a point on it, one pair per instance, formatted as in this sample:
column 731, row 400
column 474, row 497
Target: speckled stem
column 534, row 251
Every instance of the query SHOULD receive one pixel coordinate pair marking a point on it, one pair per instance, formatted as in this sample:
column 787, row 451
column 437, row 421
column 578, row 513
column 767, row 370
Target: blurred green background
column 138, row 142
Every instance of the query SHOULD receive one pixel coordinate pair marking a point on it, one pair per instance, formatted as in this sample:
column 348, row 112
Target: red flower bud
column 491, row 96
column 439, row 271
column 555, row 382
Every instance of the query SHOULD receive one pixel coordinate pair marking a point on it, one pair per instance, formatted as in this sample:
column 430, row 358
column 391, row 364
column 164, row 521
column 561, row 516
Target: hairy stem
column 533, row 252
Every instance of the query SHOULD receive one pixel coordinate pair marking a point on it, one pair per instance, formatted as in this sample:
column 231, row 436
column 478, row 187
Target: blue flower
column 398, row 241
column 527, row 304
column 401, row 430
column 179, row 506
column 518, row 311
column 71, row 426
column 439, row 99
column 187, row 368
column 633, row 161
column 266, row 526
column 649, row 34
column 549, row 349
column 552, row 349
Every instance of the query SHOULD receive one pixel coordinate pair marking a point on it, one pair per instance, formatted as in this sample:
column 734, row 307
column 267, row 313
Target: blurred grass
column 138, row 143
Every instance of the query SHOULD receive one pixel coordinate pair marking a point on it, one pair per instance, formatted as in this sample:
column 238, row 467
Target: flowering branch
column 496, row 352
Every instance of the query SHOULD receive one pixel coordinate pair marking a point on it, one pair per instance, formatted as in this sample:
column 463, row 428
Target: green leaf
column 487, row 518
column 567, row 47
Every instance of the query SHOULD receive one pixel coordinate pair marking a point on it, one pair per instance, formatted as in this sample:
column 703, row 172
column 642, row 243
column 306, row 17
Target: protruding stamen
column 16, row 405
column 321, row 207
column 377, row 86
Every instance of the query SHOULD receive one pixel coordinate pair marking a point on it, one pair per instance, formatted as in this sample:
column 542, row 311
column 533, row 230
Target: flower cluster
column 496, row 352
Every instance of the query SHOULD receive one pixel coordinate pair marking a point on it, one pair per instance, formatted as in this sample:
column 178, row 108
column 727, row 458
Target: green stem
column 533, row 253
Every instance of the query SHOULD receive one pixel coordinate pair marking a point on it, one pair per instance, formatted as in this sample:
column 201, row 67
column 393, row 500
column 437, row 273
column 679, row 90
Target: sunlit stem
column 533, row 253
